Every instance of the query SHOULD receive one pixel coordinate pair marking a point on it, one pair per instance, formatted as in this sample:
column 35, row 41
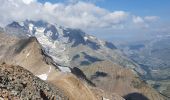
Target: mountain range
column 82, row 66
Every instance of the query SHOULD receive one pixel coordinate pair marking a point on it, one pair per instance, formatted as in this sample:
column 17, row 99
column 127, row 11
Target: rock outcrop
column 16, row 83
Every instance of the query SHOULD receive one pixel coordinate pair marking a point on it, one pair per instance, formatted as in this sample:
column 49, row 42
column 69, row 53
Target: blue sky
column 139, row 7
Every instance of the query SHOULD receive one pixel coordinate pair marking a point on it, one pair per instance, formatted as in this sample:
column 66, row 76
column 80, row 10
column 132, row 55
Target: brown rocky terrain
column 76, row 88
column 73, row 87
column 115, row 79
column 16, row 83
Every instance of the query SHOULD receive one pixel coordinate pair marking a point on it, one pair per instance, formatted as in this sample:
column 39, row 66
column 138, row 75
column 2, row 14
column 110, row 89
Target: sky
column 140, row 7
column 107, row 19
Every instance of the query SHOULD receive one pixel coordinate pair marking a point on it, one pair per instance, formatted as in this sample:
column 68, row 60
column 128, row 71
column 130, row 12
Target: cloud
column 78, row 15
column 115, row 18
column 144, row 22
column 89, row 1
column 81, row 14
column 151, row 18
column 28, row 1
column 139, row 21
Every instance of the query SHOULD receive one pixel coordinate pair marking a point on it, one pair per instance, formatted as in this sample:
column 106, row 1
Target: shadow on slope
column 89, row 59
column 77, row 72
column 135, row 96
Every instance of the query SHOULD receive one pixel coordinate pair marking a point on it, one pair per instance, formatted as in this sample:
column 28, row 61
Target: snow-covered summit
column 56, row 39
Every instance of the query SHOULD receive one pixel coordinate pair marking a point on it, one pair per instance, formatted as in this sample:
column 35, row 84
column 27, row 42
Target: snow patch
column 43, row 76
column 101, row 42
column 31, row 27
column 54, row 48
column 49, row 33
column 60, row 31
column 40, row 29
column 27, row 55
column 92, row 37
column 28, row 35
column 155, row 70
column 105, row 98
column 49, row 70
column 64, row 69
column 85, row 38
column 21, row 23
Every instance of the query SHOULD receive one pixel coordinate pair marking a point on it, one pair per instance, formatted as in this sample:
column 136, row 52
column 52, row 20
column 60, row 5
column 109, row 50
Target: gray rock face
column 17, row 83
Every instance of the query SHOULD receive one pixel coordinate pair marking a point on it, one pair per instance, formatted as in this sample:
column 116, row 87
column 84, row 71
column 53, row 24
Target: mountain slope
column 25, row 52
column 113, row 78
column 153, row 56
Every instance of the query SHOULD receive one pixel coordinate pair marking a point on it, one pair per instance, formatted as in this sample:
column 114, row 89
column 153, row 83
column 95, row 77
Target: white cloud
column 84, row 15
column 138, row 20
column 116, row 17
column 151, row 18
column 144, row 22
column 79, row 15
column 28, row 1
column 90, row 1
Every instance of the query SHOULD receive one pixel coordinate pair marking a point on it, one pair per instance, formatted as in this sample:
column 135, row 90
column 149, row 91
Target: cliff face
column 17, row 83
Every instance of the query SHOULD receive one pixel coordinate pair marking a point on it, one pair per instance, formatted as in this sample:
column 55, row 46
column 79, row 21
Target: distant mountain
column 71, row 47
column 154, row 57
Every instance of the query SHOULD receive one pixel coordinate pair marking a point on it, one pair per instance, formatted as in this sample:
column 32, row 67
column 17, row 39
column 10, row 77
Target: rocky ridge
column 16, row 83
